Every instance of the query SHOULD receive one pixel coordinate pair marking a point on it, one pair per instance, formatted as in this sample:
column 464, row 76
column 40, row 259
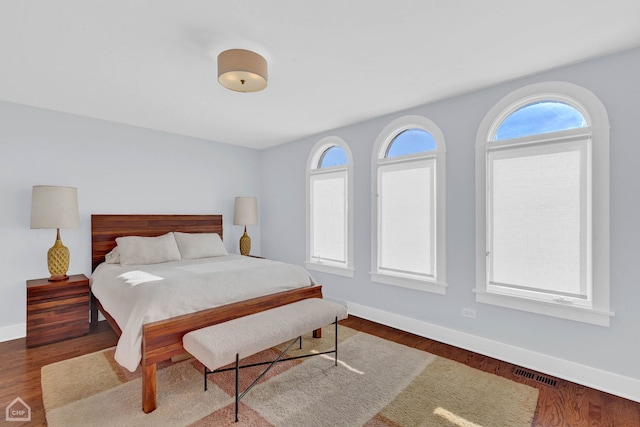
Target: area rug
column 376, row 383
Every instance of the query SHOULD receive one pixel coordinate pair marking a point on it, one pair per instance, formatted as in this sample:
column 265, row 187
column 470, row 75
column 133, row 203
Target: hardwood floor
column 565, row 404
column 562, row 404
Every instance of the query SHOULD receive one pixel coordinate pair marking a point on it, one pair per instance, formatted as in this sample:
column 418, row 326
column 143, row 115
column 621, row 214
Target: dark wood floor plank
column 566, row 404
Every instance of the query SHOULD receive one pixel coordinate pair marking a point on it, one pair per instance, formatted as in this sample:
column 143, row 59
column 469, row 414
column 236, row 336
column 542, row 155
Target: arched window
column 411, row 141
column 538, row 118
column 330, row 207
column 332, row 156
column 408, row 214
column 542, row 203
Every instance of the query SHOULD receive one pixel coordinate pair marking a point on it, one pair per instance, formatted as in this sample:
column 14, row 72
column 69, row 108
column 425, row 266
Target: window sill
column 331, row 269
column 577, row 313
column 420, row 285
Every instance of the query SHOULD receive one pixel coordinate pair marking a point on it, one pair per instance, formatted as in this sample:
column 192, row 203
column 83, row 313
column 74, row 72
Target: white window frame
column 437, row 158
column 313, row 172
column 593, row 141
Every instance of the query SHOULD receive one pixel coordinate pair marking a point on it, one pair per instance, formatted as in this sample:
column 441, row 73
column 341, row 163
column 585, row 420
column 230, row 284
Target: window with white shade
column 408, row 211
column 542, row 203
column 329, row 208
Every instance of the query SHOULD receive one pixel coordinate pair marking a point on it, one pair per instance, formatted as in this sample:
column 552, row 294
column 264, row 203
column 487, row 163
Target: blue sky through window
column 333, row 156
column 411, row 141
column 538, row 118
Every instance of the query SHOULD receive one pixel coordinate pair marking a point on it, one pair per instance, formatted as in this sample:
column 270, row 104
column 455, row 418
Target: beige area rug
column 377, row 383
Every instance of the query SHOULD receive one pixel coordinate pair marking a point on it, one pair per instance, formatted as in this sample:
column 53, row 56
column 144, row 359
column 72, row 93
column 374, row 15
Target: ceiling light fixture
column 242, row 70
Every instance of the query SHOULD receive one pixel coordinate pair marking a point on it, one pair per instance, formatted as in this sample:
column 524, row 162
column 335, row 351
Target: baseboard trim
column 12, row 332
column 605, row 381
column 608, row 382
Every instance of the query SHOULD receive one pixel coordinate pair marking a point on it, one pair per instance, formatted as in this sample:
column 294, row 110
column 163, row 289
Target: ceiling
column 152, row 63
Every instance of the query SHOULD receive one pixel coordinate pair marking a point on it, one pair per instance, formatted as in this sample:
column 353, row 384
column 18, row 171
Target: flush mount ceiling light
column 242, row 70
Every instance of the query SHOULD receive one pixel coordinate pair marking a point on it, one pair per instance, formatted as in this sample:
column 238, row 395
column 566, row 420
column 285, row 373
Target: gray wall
column 615, row 80
column 117, row 169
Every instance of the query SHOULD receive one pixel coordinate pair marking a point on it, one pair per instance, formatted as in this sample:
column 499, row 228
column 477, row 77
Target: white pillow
column 147, row 250
column 113, row 257
column 200, row 245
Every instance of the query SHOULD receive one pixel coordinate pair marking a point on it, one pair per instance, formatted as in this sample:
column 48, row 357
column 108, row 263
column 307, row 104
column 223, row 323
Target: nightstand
column 57, row 311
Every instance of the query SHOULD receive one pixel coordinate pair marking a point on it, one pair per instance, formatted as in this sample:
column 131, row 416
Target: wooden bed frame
column 162, row 340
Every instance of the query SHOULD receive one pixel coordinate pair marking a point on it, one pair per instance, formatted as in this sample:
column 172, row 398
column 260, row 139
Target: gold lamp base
column 58, row 260
column 245, row 243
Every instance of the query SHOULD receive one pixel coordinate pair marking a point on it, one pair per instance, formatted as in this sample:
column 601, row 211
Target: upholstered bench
column 225, row 343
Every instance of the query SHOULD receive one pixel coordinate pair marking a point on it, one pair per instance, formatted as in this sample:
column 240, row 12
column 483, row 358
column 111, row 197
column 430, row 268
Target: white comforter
column 135, row 295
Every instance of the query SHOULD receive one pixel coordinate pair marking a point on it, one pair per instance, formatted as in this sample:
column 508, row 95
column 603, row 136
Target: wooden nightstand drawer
column 57, row 310
column 57, row 332
column 53, row 292
column 53, row 304
column 48, row 318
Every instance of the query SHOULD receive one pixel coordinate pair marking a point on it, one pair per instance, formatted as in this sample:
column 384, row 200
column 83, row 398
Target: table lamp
column 55, row 207
column 245, row 213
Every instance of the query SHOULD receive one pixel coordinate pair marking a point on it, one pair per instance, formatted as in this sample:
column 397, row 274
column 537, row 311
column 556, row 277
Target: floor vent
column 546, row 380
column 521, row 372
column 539, row 378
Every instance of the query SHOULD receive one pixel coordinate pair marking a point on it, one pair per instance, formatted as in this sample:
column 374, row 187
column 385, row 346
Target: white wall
column 117, row 169
column 606, row 358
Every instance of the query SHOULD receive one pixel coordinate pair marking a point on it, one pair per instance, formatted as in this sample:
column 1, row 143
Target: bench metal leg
column 335, row 345
column 237, row 383
column 271, row 364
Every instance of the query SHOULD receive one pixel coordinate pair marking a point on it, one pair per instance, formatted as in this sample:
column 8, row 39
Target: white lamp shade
column 54, row 207
column 246, row 211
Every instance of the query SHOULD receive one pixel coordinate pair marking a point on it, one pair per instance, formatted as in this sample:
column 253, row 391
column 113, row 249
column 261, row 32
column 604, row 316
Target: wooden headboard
column 105, row 229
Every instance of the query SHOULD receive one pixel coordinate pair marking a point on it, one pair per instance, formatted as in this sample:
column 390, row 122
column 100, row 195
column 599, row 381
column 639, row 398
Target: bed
column 162, row 339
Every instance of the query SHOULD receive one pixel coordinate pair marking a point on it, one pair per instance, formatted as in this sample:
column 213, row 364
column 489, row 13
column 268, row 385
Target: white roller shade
column 406, row 209
column 538, row 221
column 329, row 217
